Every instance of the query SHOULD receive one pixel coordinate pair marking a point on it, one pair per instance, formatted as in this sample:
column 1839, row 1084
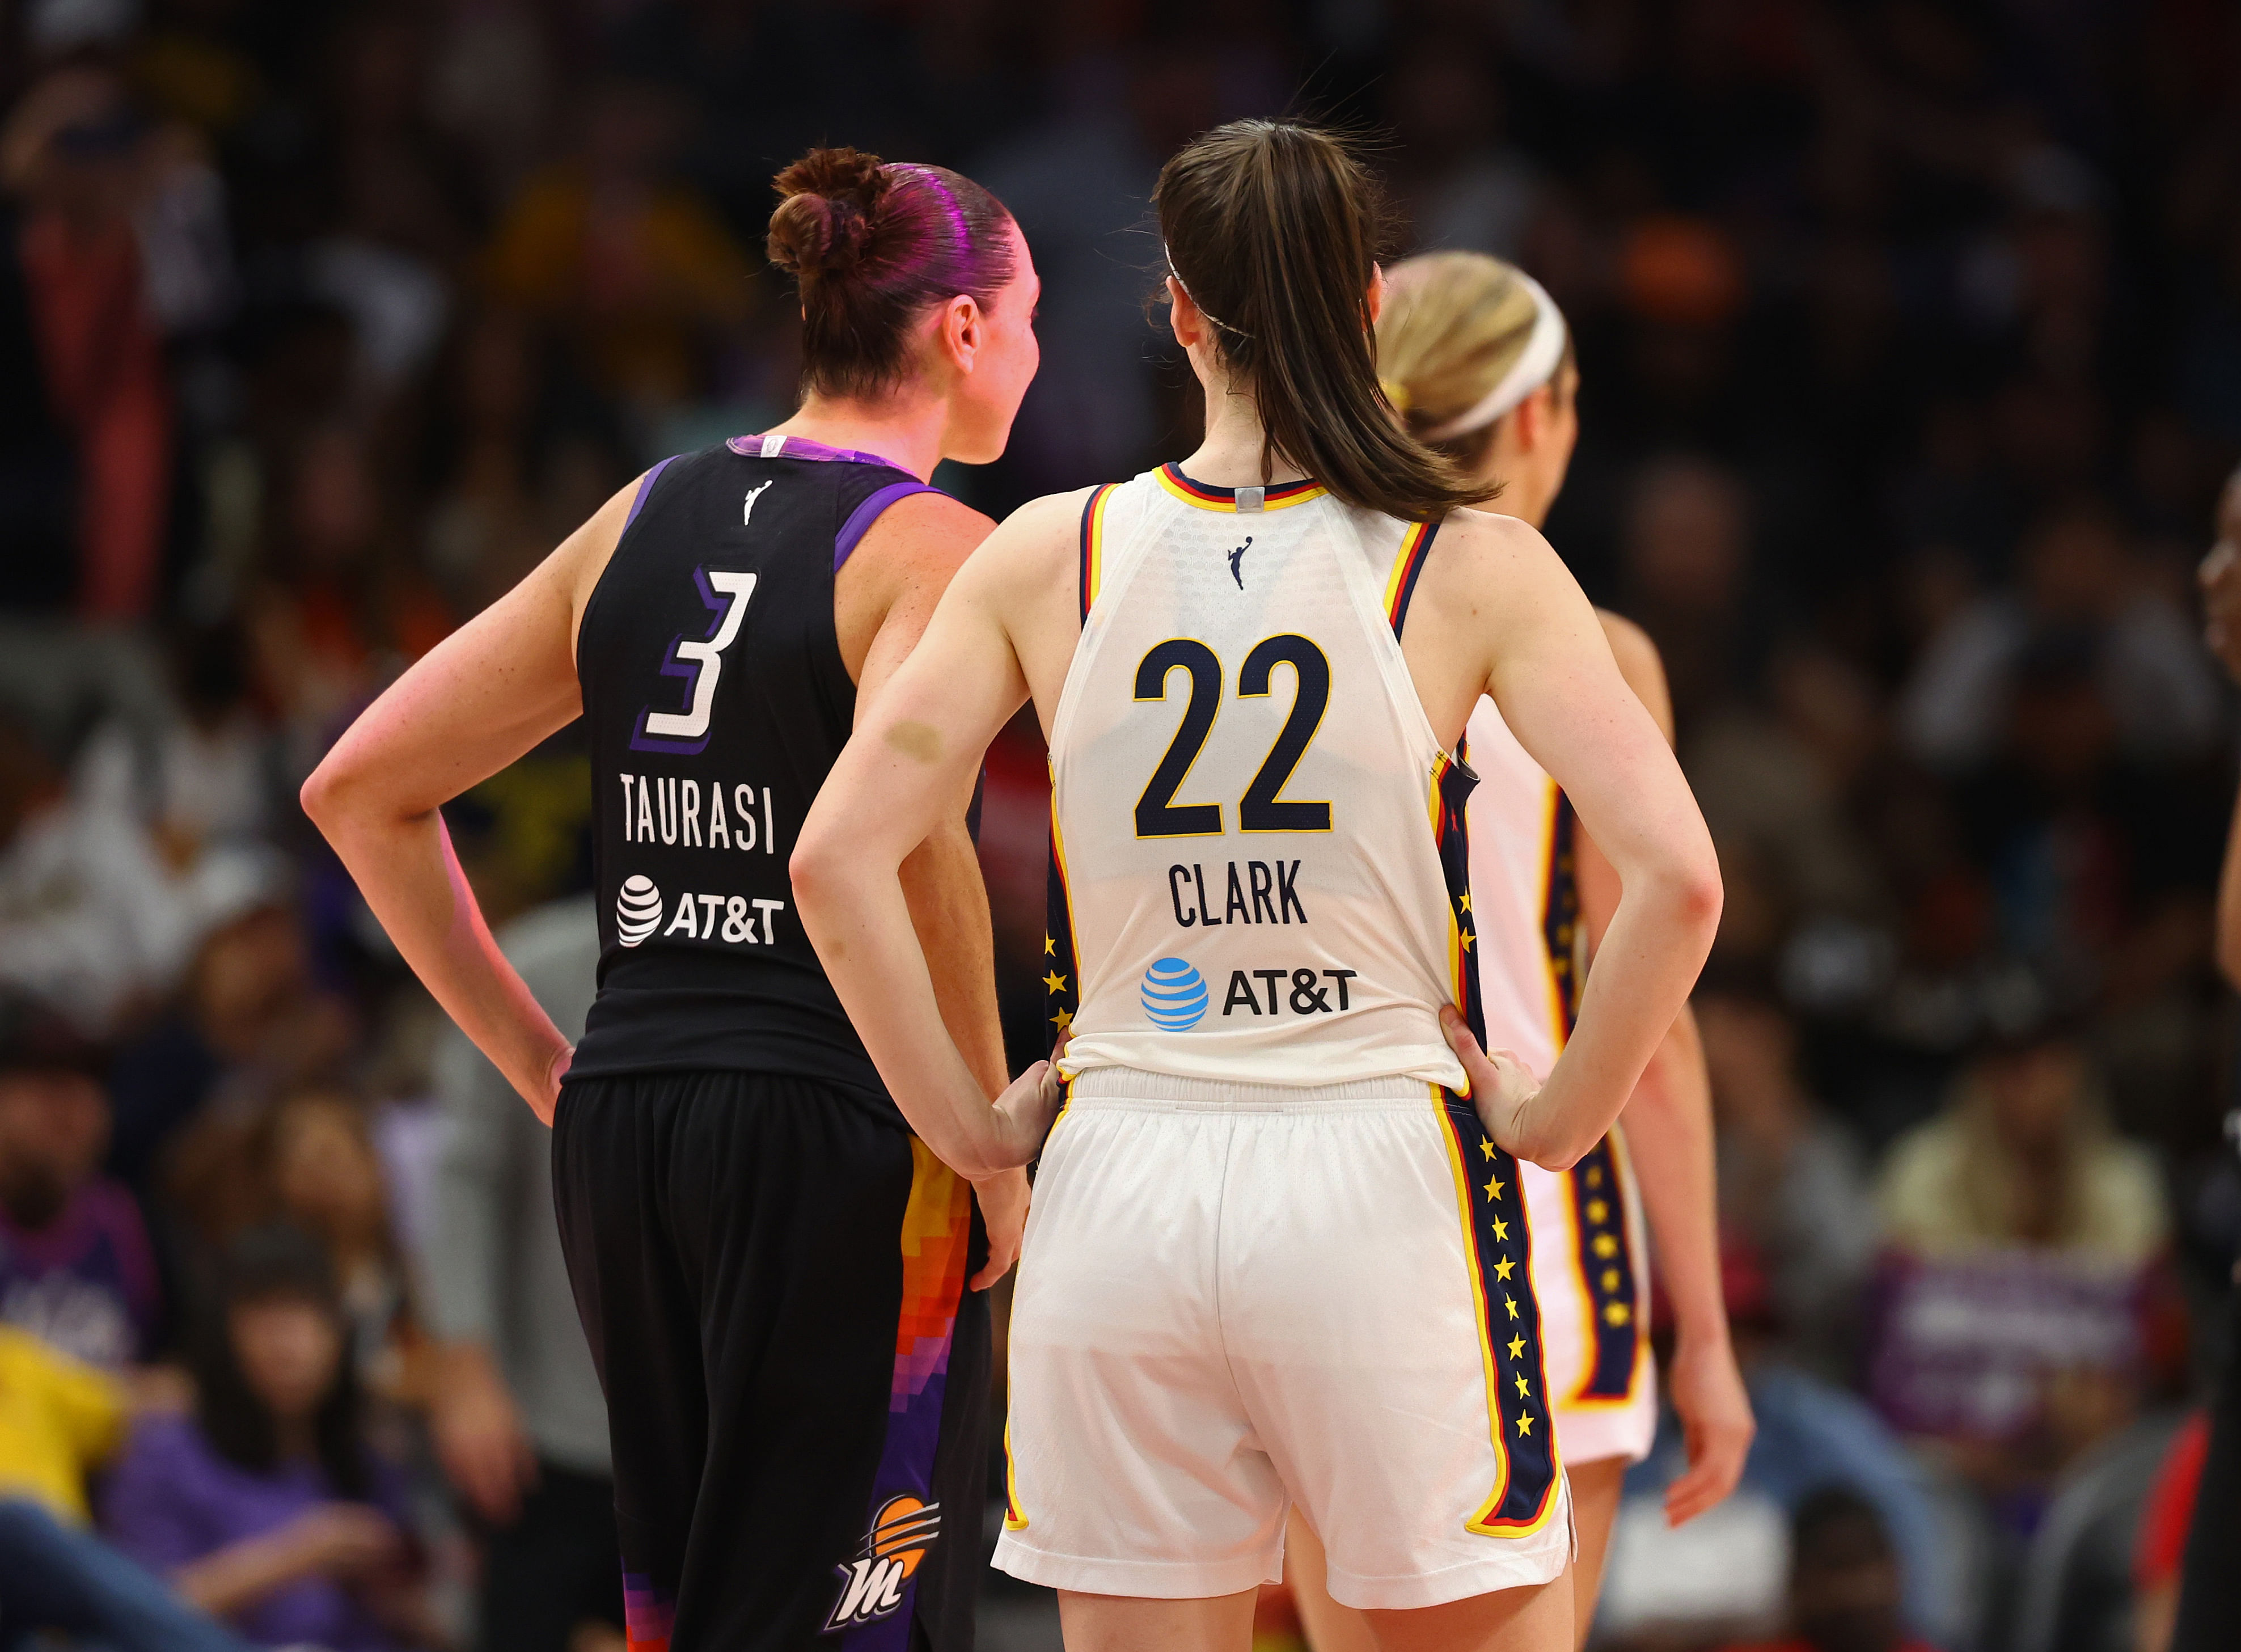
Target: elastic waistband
column 1132, row 1087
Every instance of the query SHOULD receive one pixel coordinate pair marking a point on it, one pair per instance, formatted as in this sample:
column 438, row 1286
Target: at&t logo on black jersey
column 871, row 1584
column 637, row 909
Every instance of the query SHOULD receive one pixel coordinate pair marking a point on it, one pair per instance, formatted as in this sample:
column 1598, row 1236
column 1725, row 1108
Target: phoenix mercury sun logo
column 871, row 1584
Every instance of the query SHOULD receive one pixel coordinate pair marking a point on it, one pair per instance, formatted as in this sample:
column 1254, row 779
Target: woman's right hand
column 346, row 1539
column 1501, row 1086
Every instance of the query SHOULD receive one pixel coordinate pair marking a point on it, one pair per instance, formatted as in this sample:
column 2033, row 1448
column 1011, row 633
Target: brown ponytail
column 1272, row 227
column 874, row 244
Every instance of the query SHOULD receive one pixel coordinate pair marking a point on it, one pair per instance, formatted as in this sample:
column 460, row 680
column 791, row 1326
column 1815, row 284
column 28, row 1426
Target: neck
column 1230, row 455
column 906, row 428
column 1522, row 495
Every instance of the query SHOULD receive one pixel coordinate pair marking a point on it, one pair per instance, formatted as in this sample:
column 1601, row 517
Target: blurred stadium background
column 1911, row 338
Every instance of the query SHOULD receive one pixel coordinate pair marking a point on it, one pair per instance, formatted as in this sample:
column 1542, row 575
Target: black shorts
column 771, row 1274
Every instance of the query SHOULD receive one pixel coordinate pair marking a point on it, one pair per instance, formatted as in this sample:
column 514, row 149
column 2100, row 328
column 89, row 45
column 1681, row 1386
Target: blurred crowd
column 1910, row 335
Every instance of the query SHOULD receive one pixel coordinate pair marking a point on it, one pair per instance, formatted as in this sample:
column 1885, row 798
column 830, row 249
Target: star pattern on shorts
column 1525, row 1424
column 1050, row 946
column 1516, row 1347
column 1503, row 1268
column 1055, row 981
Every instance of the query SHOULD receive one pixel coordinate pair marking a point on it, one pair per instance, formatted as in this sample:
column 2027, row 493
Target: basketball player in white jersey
column 1275, row 1258
column 1477, row 357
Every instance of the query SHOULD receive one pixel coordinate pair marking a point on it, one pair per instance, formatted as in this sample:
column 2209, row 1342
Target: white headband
column 1543, row 351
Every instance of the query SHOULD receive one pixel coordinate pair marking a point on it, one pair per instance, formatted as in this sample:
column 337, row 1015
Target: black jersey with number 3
column 717, row 700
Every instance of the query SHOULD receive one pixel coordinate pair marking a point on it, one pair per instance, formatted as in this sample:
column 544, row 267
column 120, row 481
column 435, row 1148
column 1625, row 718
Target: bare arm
column 1551, row 671
column 1669, row 1138
column 907, row 561
column 916, row 748
column 488, row 692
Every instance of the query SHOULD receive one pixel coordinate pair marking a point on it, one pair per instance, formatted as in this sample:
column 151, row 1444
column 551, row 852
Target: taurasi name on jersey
column 666, row 809
column 1269, row 893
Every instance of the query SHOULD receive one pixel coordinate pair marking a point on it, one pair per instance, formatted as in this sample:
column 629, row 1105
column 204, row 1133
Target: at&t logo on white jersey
column 1174, row 995
column 637, row 909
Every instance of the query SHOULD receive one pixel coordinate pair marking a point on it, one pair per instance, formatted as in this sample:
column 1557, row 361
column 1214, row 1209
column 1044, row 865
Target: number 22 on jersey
column 1261, row 808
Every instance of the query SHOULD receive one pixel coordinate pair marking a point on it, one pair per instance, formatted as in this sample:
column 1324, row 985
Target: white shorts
column 1591, row 1274
column 1233, row 1299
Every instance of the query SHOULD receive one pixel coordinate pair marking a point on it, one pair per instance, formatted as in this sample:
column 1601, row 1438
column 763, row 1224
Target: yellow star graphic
column 1617, row 1313
column 1055, row 981
column 1466, row 937
column 1465, row 901
column 1050, row 946
column 1501, row 1269
column 1598, row 1212
column 1516, row 1347
column 1594, row 1175
column 1606, row 1246
column 1510, row 1303
column 1524, row 1425
column 1063, row 1020
column 1524, row 1388
column 1493, row 1187
column 1502, row 1230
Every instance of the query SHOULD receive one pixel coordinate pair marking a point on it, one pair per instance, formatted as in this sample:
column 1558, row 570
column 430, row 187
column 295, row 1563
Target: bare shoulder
column 928, row 528
column 1481, row 556
column 1641, row 665
column 575, row 564
column 1036, row 542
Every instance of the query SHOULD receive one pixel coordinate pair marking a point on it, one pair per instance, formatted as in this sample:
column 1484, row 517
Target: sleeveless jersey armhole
column 861, row 518
column 637, row 503
column 1408, row 568
column 1093, row 546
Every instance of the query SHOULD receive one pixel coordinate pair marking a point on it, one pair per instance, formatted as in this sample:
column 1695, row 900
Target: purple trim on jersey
column 644, row 488
column 861, row 519
column 801, row 447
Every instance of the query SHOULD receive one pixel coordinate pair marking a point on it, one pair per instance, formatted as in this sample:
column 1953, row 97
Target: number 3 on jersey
column 1158, row 815
column 685, row 734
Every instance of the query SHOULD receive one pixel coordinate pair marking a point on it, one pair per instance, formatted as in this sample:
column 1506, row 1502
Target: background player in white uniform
column 1478, row 356
column 1273, row 1257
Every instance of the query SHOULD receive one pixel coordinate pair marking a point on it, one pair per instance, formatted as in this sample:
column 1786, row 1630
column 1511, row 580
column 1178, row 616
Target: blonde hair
column 1454, row 326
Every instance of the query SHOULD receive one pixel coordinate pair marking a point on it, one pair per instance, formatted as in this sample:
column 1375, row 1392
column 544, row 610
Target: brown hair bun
column 873, row 245
column 830, row 210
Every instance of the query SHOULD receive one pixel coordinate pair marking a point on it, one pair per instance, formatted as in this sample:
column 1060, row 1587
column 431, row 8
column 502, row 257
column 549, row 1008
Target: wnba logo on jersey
column 1174, row 995
column 637, row 909
column 871, row 1584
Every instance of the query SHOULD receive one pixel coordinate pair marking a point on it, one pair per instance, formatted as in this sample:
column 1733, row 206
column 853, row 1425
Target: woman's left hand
column 1717, row 1425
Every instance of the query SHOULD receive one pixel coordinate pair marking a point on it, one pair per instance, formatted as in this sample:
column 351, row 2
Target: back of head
column 1464, row 340
column 874, row 244
column 1272, row 228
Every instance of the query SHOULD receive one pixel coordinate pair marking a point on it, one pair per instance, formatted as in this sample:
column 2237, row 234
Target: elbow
column 326, row 795
column 1556, row 1156
column 817, row 867
column 1698, row 895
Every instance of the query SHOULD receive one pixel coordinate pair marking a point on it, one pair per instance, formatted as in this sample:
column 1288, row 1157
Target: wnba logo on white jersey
column 1174, row 995
column 637, row 909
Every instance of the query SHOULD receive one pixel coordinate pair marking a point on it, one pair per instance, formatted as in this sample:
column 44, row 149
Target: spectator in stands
column 267, row 1507
column 516, row 1411
column 626, row 265
column 60, row 1421
column 1790, row 1180
column 251, row 1023
column 91, row 921
column 2011, row 1325
column 75, row 1265
column 91, row 406
column 1844, row 1593
column 2023, row 1157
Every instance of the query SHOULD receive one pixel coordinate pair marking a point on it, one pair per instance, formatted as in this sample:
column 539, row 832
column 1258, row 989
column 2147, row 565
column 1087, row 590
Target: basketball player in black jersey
column 771, row 1265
